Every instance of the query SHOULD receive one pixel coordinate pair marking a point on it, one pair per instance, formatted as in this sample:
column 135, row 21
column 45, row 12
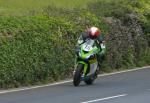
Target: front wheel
column 77, row 75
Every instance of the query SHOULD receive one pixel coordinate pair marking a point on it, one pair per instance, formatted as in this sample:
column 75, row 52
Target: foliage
column 31, row 51
column 21, row 7
column 128, row 41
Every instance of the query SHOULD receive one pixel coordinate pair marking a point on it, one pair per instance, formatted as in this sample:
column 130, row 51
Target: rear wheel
column 78, row 74
column 89, row 81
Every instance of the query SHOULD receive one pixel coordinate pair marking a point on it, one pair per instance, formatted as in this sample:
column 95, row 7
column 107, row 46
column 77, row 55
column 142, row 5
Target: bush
column 128, row 39
column 31, row 51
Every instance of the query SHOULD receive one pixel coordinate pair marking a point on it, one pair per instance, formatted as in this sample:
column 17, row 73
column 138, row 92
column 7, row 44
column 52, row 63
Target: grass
column 17, row 7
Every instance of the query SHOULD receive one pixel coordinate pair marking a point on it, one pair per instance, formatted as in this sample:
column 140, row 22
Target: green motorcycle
column 86, row 64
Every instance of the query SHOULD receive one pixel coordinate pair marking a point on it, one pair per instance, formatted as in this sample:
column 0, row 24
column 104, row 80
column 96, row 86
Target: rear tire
column 89, row 81
column 78, row 74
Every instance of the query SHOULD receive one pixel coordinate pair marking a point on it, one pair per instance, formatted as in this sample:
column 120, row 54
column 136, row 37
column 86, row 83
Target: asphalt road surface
column 128, row 87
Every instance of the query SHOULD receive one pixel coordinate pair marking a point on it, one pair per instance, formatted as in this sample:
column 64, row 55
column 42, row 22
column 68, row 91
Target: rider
column 93, row 33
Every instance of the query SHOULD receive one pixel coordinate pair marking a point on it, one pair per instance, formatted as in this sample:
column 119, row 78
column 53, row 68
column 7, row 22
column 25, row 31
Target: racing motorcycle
column 87, row 67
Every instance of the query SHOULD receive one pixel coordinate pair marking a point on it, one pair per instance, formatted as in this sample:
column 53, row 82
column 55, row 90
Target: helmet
column 94, row 32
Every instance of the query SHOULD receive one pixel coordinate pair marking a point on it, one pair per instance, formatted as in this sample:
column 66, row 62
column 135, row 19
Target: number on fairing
column 87, row 47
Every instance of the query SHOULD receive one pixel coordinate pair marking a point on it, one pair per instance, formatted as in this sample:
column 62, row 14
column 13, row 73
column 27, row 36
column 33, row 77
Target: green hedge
column 33, row 49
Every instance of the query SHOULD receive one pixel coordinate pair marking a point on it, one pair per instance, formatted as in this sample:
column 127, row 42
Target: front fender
column 85, row 66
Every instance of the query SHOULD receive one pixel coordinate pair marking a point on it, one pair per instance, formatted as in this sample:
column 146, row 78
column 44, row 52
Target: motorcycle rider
column 93, row 33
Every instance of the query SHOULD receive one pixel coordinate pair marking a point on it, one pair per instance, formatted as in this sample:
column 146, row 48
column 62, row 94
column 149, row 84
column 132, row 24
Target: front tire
column 78, row 74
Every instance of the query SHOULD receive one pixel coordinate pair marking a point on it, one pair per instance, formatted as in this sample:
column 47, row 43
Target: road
column 128, row 87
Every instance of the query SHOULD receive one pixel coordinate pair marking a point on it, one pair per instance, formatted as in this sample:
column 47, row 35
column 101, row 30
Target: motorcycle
column 87, row 67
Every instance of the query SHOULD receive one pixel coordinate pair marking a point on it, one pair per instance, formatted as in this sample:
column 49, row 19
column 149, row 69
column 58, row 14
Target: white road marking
column 107, row 98
column 63, row 82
